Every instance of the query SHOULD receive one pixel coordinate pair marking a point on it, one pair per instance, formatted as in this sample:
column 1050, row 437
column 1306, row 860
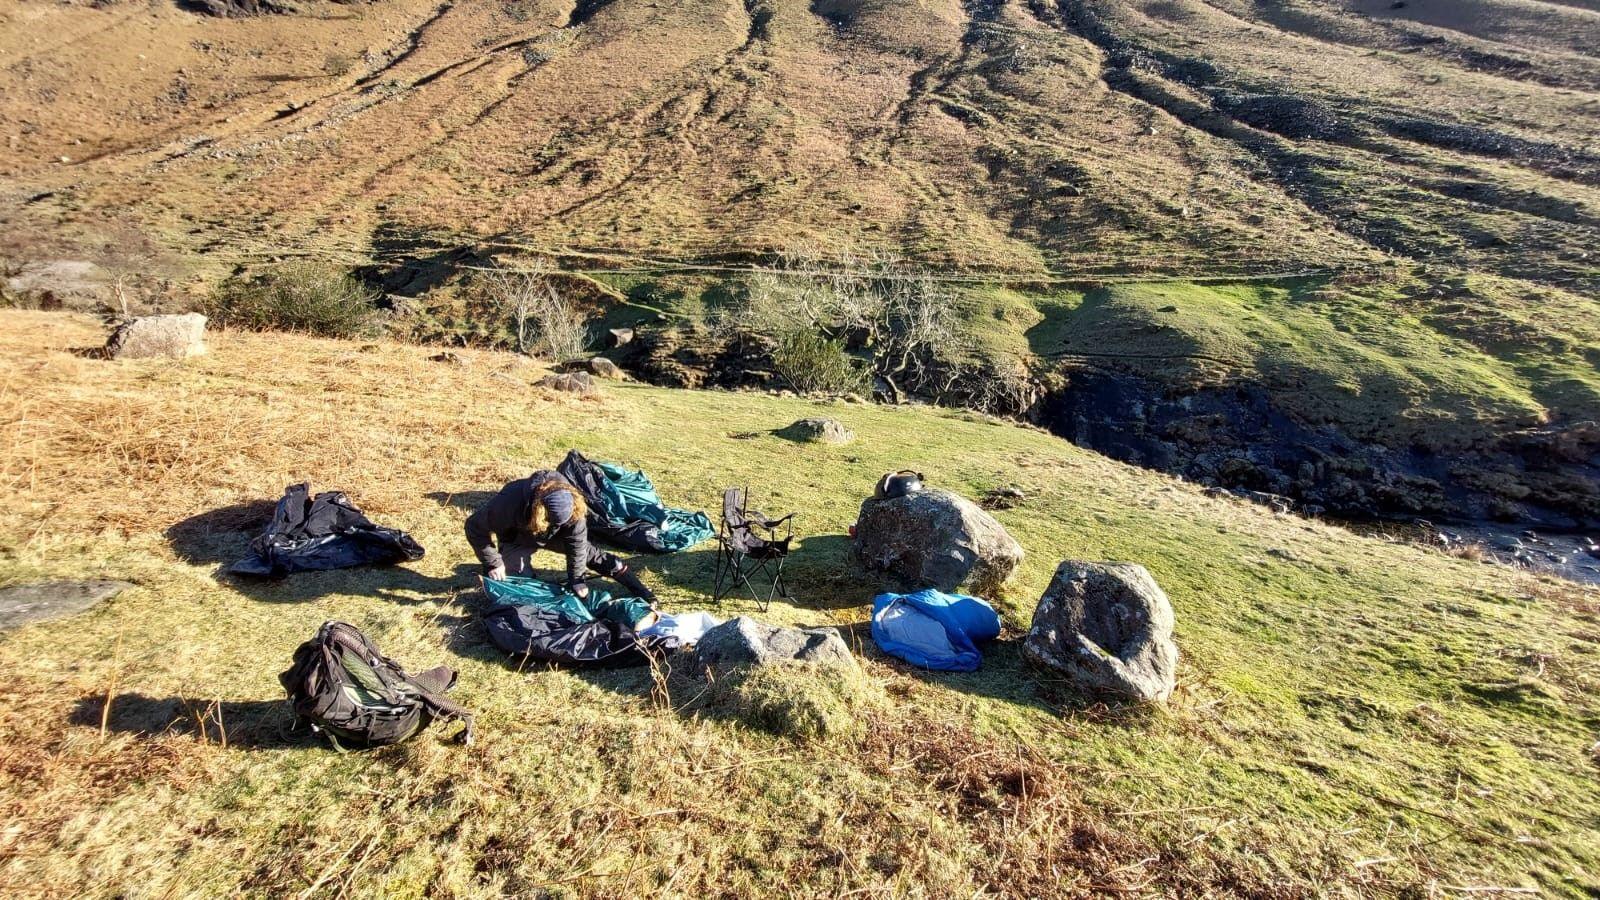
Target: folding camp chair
column 748, row 546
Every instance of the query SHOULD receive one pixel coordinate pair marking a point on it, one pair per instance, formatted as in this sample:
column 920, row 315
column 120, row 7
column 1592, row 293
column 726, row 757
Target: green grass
column 1353, row 715
column 1359, row 359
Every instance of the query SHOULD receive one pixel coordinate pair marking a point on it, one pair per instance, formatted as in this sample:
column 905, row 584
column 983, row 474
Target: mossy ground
column 1354, row 716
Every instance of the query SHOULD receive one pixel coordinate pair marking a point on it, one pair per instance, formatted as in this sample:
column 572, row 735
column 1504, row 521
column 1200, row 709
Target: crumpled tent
column 933, row 629
column 322, row 532
column 546, row 622
column 624, row 510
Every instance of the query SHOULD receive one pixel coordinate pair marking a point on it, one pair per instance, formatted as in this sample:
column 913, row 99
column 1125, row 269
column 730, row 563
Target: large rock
column 795, row 682
column 45, row 600
column 821, row 431
column 1108, row 628
column 933, row 538
column 743, row 642
column 174, row 337
column 600, row 367
column 580, row 383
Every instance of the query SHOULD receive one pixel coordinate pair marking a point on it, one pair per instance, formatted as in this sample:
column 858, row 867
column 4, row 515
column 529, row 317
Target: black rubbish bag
column 548, row 635
column 322, row 532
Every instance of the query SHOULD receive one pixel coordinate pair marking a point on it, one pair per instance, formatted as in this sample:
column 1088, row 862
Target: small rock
column 743, row 641
column 45, row 600
column 1108, row 628
column 824, row 431
column 580, row 383
column 934, row 538
column 174, row 337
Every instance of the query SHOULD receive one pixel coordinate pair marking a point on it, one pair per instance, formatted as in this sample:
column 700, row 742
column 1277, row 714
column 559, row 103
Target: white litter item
column 686, row 627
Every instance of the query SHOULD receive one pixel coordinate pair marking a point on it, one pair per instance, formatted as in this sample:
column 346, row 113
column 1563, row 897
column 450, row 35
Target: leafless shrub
column 905, row 319
column 544, row 321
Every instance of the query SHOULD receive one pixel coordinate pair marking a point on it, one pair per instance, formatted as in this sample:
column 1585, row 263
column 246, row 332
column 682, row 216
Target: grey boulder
column 45, row 600
column 934, row 538
column 821, row 431
column 580, row 383
column 173, row 337
column 745, row 642
column 1108, row 628
column 601, row 367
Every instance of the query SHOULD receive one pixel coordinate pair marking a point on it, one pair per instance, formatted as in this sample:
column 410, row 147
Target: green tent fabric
column 631, row 497
column 625, row 509
column 518, row 591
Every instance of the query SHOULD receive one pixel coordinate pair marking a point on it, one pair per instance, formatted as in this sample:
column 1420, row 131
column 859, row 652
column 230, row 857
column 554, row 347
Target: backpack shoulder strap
column 431, row 685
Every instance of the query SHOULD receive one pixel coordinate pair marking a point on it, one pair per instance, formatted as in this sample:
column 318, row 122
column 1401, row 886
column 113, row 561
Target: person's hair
column 539, row 519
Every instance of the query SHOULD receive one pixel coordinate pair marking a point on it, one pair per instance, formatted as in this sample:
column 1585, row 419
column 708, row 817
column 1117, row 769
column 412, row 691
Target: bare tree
column 545, row 321
column 906, row 320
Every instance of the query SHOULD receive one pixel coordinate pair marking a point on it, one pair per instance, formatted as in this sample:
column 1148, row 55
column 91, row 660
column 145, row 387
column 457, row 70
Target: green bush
column 812, row 364
column 313, row 298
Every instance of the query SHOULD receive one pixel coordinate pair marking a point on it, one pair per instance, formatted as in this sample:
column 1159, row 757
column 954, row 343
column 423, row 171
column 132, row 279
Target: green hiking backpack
column 356, row 697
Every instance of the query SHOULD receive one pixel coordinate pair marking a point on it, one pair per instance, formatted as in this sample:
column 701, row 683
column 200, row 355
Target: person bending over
column 543, row 512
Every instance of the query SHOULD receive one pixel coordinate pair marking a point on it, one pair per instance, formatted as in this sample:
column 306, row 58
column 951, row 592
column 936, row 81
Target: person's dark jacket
column 503, row 523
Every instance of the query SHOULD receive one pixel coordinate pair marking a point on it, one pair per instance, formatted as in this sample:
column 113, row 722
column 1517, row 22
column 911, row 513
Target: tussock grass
column 1337, row 729
column 799, row 700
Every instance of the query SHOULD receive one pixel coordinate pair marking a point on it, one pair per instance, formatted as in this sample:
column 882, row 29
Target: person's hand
column 581, row 590
column 498, row 573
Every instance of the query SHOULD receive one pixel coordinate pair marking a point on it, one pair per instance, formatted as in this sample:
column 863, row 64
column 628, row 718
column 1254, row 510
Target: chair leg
column 775, row 589
column 744, row 575
column 717, row 591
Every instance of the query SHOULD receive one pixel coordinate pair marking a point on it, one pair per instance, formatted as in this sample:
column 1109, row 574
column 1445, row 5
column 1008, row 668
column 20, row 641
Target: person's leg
column 518, row 559
column 615, row 569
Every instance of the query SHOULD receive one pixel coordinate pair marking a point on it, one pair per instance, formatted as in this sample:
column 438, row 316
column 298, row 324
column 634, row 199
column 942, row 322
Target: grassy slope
column 1342, row 700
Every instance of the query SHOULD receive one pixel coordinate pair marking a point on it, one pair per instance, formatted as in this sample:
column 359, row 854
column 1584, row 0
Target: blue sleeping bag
column 933, row 629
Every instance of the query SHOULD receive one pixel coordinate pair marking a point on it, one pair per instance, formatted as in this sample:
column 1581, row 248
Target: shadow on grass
column 221, row 537
column 467, row 500
column 1007, row 676
column 253, row 724
column 820, row 572
column 396, row 584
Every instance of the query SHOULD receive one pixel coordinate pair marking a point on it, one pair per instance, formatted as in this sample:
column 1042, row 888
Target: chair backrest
column 736, row 521
column 733, row 500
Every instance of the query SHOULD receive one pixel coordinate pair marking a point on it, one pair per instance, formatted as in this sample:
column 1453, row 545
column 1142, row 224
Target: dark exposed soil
column 1237, row 439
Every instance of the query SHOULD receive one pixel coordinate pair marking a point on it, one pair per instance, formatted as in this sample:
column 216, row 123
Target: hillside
column 1411, row 189
column 1354, row 717
column 1075, row 136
